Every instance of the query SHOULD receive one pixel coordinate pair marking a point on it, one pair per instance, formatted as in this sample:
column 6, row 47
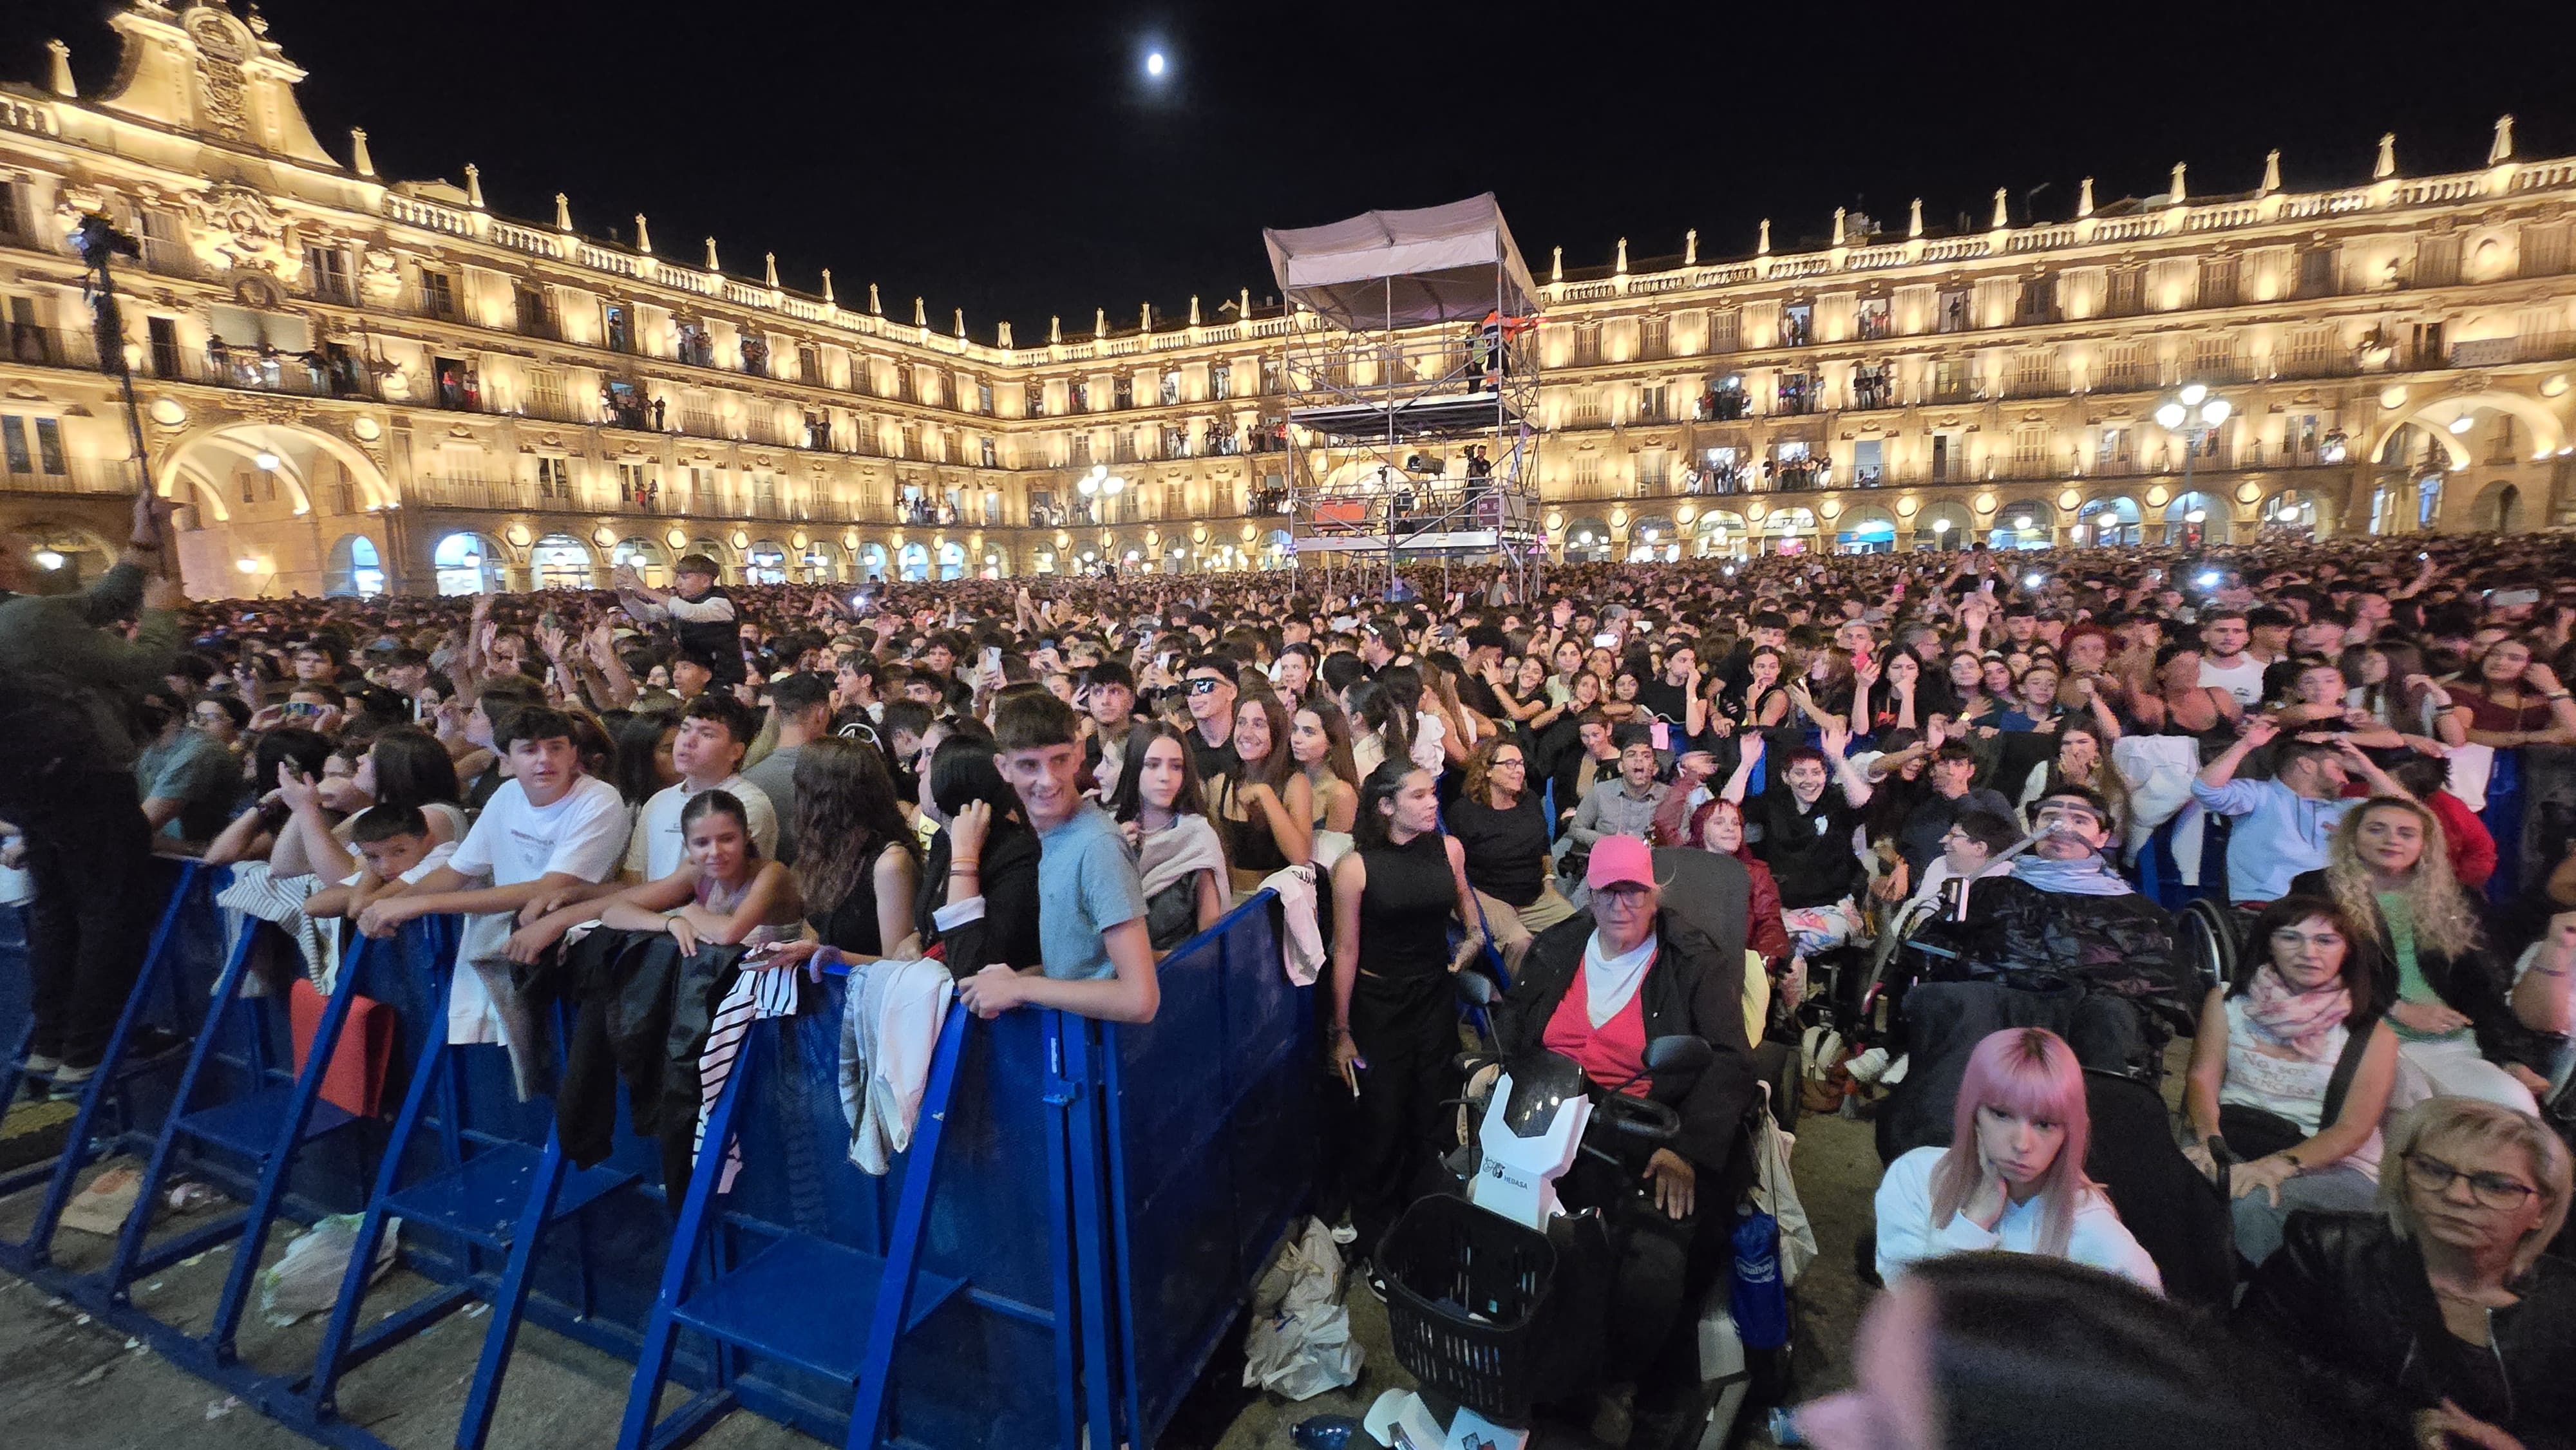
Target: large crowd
column 1911, row 775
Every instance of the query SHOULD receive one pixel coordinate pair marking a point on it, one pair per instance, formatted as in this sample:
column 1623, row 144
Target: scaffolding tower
column 1412, row 382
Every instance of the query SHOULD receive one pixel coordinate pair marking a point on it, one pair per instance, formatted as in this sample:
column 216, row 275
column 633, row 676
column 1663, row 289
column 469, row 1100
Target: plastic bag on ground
column 306, row 1279
column 1300, row 1344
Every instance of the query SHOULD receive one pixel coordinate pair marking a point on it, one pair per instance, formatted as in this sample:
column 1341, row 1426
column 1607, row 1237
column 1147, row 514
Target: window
column 2316, row 272
column 1797, row 324
column 2114, row 450
column 1171, row 391
column 992, row 457
column 1724, row 330
column 546, row 394
column 1655, row 338
column 2126, row 296
column 1587, row 471
column 2030, row 445
column 1270, row 374
column 2311, row 351
column 13, row 444
column 1081, row 392
column 2218, row 281
column 1953, row 314
column 326, row 269
column 615, row 333
column 2034, row 372
column 2214, row 359
column 49, row 445
column 1654, row 403
column 1654, row 471
column 1221, row 381
column 437, row 293
column 984, row 397
column 13, row 223
column 1586, row 411
column 2544, row 245
column 164, row 334
column 1123, row 391
column 1036, row 399
column 1877, row 319
column 2437, row 261
column 554, row 478
column 163, row 248
column 2122, row 370
column 536, row 309
column 1943, row 456
column 1586, row 344
column 2038, row 300
column 1952, row 380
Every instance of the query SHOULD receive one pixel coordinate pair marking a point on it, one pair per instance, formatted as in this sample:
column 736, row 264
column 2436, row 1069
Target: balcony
column 78, row 475
column 266, row 370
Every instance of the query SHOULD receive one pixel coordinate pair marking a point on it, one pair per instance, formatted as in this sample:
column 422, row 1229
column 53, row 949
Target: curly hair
column 2444, row 919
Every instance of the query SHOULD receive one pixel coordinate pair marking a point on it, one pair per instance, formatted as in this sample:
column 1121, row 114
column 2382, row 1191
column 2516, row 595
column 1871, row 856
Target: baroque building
column 358, row 384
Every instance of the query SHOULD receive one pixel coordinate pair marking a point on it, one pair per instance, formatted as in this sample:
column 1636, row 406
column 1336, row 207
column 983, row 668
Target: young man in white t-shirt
column 714, row 732
column 2223, row 660
column 548, row 828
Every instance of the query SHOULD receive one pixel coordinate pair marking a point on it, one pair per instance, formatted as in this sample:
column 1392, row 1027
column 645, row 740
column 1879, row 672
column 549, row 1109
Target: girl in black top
column 1265, row 809
column 859, row 876
column 1394, row 1026
column 987, row 850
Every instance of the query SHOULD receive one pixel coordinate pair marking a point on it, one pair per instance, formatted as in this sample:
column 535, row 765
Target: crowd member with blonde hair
column 2447, row 998
column 2442, row 1305
column 2013, row 1175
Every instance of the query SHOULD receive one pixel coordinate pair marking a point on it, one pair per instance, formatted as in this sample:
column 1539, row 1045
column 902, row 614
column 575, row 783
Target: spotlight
column 266, row 461
column 2209, row 580
column 48, row 559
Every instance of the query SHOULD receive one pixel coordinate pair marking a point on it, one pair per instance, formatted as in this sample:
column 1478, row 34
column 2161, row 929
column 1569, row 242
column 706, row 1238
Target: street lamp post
column 2194, row 413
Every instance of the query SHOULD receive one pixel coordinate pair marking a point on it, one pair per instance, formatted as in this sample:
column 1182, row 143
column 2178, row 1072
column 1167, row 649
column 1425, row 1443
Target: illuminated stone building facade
column 356, row 383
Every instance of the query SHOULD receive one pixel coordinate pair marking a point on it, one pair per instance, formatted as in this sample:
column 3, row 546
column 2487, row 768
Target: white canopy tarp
column 1385, row 269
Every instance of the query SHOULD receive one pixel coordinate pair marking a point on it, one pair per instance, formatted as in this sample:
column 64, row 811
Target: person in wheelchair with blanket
column 1597, row 989
column 2065, row 922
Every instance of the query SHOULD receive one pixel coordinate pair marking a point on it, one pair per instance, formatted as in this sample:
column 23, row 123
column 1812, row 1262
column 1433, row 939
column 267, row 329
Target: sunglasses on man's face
column 1204, row 686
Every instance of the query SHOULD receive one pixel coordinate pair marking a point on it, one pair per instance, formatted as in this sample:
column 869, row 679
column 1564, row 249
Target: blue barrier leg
column 1061, row 1096
column 37, row 1247
column 661, row 1329
column 511, row 1300
column 903, row 1249
column 121, row 1268
column 281, row 1155
column 1088, row 1179
column 329, row 1355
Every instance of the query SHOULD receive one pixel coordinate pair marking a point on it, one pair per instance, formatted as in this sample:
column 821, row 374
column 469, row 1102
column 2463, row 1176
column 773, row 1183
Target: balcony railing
column 78, row 475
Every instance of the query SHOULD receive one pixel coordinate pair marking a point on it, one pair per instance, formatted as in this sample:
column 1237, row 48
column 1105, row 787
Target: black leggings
column 1406, row 1030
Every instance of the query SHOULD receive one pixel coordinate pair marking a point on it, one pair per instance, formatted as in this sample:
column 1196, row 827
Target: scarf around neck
column 2090, row 876
column 2299, row 1023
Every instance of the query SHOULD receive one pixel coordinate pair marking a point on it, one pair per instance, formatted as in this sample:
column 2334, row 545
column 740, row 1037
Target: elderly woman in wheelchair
column 2291, row 1071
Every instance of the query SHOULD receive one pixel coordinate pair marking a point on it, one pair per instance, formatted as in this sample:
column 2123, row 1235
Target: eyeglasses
column 2491, row 1190
column 1501, row 761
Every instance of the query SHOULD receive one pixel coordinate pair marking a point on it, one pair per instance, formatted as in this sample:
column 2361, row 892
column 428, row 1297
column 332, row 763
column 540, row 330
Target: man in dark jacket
column 69, row 685
column 1598, row 988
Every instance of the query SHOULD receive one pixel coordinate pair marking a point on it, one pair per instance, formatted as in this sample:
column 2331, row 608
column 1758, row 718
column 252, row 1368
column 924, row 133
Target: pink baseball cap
column 1617, row 860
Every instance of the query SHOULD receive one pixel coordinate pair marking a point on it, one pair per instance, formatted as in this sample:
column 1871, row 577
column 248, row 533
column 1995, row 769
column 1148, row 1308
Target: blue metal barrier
column 1063, row 1278
column 1211, row 1156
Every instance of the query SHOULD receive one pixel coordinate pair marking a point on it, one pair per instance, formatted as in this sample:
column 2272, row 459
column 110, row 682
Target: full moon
column 1154, row 64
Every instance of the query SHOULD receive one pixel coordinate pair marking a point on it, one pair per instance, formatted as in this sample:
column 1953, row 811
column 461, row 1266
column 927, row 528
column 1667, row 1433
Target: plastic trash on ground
column 306, row 1279
column 1300, row 1344
column 104, row 1203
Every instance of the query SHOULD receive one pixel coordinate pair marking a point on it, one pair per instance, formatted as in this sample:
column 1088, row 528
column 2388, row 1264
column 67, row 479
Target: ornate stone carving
column 245, row 230
column 379, row 277
column 221, row 48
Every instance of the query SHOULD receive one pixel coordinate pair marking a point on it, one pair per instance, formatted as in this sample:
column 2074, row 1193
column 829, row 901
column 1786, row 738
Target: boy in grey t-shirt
column 1098, row 959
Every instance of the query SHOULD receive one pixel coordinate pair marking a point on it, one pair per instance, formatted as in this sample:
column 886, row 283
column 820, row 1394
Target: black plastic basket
column 1466, row 1297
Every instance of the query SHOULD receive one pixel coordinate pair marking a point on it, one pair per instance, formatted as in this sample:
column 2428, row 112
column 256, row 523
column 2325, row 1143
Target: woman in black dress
column 1394, row 1024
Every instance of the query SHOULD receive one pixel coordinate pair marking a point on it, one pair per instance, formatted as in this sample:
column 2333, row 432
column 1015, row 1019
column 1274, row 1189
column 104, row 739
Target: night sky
column 1016, row 160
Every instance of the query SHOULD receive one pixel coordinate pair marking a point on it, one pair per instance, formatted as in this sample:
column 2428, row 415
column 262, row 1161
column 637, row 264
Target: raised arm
column 1748, row 761
column 1856, row 786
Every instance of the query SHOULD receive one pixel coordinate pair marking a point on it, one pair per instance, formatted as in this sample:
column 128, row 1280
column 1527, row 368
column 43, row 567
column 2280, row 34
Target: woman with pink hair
column 2013, row 1175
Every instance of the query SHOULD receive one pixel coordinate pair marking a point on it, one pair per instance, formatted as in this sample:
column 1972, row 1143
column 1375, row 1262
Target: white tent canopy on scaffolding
column 1389, row 269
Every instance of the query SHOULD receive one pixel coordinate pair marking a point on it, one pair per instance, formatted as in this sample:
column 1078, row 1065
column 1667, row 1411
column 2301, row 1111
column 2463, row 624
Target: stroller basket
column 1466, row 1291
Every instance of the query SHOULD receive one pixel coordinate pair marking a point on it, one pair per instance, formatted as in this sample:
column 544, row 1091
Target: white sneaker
column 1868, row 1065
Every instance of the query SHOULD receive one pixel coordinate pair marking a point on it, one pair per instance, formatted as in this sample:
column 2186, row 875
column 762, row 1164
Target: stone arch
column 1868, row 529
column 354, row 566
column 2500, row 508
column 85, row 552
column 562, row 561
column 2548, row 430
column 243, row 438
column 464, row 561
